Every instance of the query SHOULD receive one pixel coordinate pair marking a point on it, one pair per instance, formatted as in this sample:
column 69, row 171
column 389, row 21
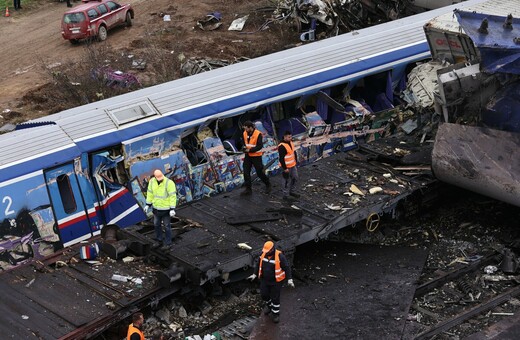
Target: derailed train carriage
column 66, row 176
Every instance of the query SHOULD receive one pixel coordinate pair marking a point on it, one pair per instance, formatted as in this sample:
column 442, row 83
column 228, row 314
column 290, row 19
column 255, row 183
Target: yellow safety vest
column 162, row 196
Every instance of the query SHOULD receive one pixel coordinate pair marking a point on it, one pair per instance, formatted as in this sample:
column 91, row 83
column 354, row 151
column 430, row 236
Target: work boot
column 295, row 195
column 275, row 317
column 268, row 188
column 165, row 247
column 247, row 191
column 266, row 310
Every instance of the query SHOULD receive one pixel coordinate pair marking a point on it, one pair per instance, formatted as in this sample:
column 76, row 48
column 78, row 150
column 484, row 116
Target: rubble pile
column 333, row 17
column 459, row 231
column 181, row 316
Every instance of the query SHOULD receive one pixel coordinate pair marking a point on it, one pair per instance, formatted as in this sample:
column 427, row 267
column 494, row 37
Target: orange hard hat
column 268, row 246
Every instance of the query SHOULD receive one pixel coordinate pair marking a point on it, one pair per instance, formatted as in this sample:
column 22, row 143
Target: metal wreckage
column 319, row 19
column 215, row 240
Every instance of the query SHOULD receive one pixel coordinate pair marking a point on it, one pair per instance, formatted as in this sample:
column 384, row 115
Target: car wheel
column 128, row 19
column 102, row 33
column 74, row 41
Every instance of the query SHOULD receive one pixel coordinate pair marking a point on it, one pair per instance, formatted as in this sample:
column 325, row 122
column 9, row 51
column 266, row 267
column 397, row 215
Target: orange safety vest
column 252, row 142
column 278, row 272
column 290, row 160
column 132, row 329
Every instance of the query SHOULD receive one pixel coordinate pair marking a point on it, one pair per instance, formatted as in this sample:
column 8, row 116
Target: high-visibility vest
column 251, row 142
column 131, row 330
column 162, row 196
column 290, row 160
column 279, row 273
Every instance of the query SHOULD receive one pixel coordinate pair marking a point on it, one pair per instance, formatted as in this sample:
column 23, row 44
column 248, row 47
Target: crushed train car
column 477, row 99
column 91, row 163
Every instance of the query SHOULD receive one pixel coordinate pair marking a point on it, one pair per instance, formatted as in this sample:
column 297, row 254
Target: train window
column 66, row 194
column 132, row 113
column 193, row 150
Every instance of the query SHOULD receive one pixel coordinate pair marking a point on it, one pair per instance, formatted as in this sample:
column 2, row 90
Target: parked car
column 93, row 19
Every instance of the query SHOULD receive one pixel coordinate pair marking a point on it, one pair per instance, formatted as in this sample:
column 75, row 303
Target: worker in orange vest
column 272, row 269
column 288, row 161
column 135, row 328
column 253, row 145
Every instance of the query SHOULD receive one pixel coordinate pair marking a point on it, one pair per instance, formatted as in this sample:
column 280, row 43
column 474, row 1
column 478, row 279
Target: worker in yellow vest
column 135, row 328
column 288, row 161
column 272, row 269
column 253, row 145
column 162, row 198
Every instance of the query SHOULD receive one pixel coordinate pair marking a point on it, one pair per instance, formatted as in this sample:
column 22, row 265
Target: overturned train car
column 477, row 145
column 66, row 176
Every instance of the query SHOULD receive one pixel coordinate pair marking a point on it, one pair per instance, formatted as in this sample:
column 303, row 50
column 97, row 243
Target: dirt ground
column 33, row 52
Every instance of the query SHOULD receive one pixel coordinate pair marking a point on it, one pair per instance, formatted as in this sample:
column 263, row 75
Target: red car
column 94, row 19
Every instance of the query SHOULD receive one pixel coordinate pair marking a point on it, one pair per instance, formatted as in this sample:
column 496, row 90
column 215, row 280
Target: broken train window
column 109, row 171
column 191, row 144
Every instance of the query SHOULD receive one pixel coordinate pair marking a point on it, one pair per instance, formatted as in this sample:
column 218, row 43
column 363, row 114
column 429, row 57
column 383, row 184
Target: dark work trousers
column 289, row 181
column 17, row 4
column 270, row 293
column 164, row 217
column 255, row 161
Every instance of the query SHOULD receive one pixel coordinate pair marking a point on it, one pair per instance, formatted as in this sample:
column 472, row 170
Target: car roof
column 87, row 5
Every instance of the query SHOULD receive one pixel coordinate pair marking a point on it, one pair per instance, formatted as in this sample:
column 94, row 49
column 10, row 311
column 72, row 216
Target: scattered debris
column 211, row 22
column 115, row 79
column 110, row 305
column 238, row 24
column 244, row 246
column 356, row 190
column 196, row 65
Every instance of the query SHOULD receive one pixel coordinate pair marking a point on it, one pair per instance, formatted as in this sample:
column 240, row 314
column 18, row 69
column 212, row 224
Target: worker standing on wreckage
column 253, row 145
column 288, row 161
column 272, row 269
column 162, row 198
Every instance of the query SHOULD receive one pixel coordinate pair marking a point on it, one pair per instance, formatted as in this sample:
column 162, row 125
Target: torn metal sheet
column 332, row 17
column 198, row 65
column 479, row 159
column 502, row 110
column 422, row 81
column 238, row 24
column 497, row 39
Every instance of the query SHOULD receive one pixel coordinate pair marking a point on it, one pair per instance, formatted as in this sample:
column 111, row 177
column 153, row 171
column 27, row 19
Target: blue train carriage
column 90, row 167
column 53, row 196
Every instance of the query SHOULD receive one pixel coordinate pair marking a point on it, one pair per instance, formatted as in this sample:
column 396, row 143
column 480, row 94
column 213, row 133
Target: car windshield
column 74, row 18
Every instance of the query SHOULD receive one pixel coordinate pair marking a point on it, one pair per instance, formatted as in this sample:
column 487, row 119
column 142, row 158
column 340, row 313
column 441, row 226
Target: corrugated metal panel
column 448, row 21
column 18, row 145
column 87, row 123
column 236, row 79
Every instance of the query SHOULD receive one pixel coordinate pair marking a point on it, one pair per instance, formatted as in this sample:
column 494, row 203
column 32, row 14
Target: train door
column 117, row 204
column 68, row 205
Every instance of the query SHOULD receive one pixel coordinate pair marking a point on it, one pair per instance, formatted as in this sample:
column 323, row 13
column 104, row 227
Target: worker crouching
column 272, row 269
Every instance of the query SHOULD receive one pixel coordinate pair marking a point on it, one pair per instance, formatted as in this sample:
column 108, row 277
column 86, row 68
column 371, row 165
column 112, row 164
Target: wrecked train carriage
column 475, row 147
column 90, row 164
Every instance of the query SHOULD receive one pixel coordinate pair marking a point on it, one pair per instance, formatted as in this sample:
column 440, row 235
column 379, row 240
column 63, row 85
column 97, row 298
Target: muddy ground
column 42, row 73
